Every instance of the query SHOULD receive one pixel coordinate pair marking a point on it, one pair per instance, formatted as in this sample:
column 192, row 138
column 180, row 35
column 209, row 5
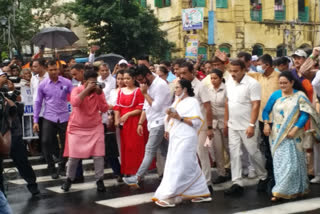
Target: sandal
column 201, row 199
column 163, row 203
column 275, row 199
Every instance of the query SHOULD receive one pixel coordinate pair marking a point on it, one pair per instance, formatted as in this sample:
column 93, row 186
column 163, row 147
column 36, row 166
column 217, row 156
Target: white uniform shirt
column 110, row 83
column 240, row 95
column 202, row 94
column 159, row 91
column 316, row 83
column 34, row 84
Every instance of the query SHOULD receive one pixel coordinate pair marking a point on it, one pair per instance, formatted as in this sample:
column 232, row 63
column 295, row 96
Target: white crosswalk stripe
column 127, row 201
column 44, row 166
column 29, row 158
column 92, row 185
column 287, row 208
column 41, row 179
column 146, row 197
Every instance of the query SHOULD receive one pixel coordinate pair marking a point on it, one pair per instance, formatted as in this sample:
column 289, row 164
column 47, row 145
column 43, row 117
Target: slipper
column 163, row 203
column 201, row 199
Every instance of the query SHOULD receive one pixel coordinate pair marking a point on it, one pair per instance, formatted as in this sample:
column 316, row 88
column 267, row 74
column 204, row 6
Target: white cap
column 122, row 61
column 300, row 53
column 254, row 58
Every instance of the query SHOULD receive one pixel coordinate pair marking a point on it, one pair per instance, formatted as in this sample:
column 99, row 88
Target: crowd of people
column 249, row 116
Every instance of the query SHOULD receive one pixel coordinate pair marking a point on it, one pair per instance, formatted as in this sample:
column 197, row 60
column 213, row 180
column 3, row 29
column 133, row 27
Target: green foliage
column 121, row 26
column 26, row 17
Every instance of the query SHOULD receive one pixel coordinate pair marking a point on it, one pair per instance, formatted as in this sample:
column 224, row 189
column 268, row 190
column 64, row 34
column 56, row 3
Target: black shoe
column 262, row 185
column 78, row 180
column 235, row 189
column 33, row 189
column 119, row 178
column 100, row 186
column 66, row 185
column 62, row 170
column 210, row 189
column 220, row 179
column 54, row 173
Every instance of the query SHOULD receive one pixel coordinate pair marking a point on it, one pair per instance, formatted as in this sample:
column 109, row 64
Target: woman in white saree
column 183, row 178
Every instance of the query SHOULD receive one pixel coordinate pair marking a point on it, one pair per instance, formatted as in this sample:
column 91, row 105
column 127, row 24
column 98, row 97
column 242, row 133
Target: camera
column 11, row 95
column 101, row 85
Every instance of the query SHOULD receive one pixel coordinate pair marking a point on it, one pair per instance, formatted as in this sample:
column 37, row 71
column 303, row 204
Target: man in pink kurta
column 85, row 132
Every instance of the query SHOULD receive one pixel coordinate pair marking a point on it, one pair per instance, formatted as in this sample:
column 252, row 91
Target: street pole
column 9, row 37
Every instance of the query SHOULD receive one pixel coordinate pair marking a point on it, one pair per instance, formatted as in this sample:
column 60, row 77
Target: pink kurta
column 85, row 132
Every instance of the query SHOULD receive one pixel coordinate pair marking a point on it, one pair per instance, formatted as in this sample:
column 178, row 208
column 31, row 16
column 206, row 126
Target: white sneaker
column 252, row 174
column 315, row 180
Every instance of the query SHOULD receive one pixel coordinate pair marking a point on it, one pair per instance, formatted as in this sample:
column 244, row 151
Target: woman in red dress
column 127, row 113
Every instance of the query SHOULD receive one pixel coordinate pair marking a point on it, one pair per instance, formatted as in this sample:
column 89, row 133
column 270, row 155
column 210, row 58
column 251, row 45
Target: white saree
column 183, row 178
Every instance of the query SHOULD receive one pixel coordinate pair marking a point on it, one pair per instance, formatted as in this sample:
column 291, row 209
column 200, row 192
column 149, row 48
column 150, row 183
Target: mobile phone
column 172, row 109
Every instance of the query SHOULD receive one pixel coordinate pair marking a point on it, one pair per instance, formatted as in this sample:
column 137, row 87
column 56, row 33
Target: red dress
column 132, row 145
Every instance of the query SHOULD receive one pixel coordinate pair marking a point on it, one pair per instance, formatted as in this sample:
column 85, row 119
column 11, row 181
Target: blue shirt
column 303, row 118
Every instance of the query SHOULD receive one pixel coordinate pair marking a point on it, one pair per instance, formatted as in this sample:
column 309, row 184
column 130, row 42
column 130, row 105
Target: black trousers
column 19, row 155
column 112, row 152
column 265, row 148
column 49, row 144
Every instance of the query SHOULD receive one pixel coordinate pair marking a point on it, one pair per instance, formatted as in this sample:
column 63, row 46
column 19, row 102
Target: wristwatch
column 210, row 127
column 182, row 119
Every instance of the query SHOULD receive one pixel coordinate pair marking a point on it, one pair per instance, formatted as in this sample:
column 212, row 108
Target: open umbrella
column 54, row 37
column 111, row 58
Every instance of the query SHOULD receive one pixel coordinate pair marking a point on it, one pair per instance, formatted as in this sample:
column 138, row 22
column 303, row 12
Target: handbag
column 5, row 143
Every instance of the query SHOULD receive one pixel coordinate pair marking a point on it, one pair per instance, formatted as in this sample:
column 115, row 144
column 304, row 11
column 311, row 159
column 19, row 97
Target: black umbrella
column 111, row 58
column 55, row 37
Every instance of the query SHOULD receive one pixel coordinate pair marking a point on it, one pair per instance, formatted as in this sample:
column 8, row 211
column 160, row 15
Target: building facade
column 277, row 27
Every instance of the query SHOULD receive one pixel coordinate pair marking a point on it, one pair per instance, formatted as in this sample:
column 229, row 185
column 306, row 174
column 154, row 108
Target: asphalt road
column 121, row 199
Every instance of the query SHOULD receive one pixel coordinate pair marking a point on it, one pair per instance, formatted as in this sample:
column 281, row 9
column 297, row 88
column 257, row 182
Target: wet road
column 121, row 199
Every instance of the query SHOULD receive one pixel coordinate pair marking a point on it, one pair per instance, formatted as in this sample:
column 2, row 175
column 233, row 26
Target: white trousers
column 238, row 138
column 203, row 155
column 316, row 156
column 220, row 146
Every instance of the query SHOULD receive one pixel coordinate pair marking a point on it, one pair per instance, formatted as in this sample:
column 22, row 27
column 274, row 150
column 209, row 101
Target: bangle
column 252, row 125
column 139, row 124
column 312, row 57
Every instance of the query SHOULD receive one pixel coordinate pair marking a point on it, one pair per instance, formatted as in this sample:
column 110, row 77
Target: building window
column 143, row 3
column 198, row 3
column 162, row 3
column 279, row 10
column 225, row 48
column 281, row 51
column 222, row 4
column 303, row 11
column 256, row 10
column 257, row 50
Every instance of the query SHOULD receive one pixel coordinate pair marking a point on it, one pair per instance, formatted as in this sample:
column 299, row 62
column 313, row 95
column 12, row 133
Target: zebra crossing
column 129, row 198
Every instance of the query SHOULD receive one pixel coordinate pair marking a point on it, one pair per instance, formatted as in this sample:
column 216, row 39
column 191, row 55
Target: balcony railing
column 303, row 16
column 256, row 15
column 280, row 15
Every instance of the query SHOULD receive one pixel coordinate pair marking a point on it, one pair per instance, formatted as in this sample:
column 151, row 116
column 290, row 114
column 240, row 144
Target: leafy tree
column 122, row 26
column 26, row 18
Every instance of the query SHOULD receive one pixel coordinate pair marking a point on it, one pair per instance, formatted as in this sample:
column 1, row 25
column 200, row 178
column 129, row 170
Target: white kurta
column 182, row 174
